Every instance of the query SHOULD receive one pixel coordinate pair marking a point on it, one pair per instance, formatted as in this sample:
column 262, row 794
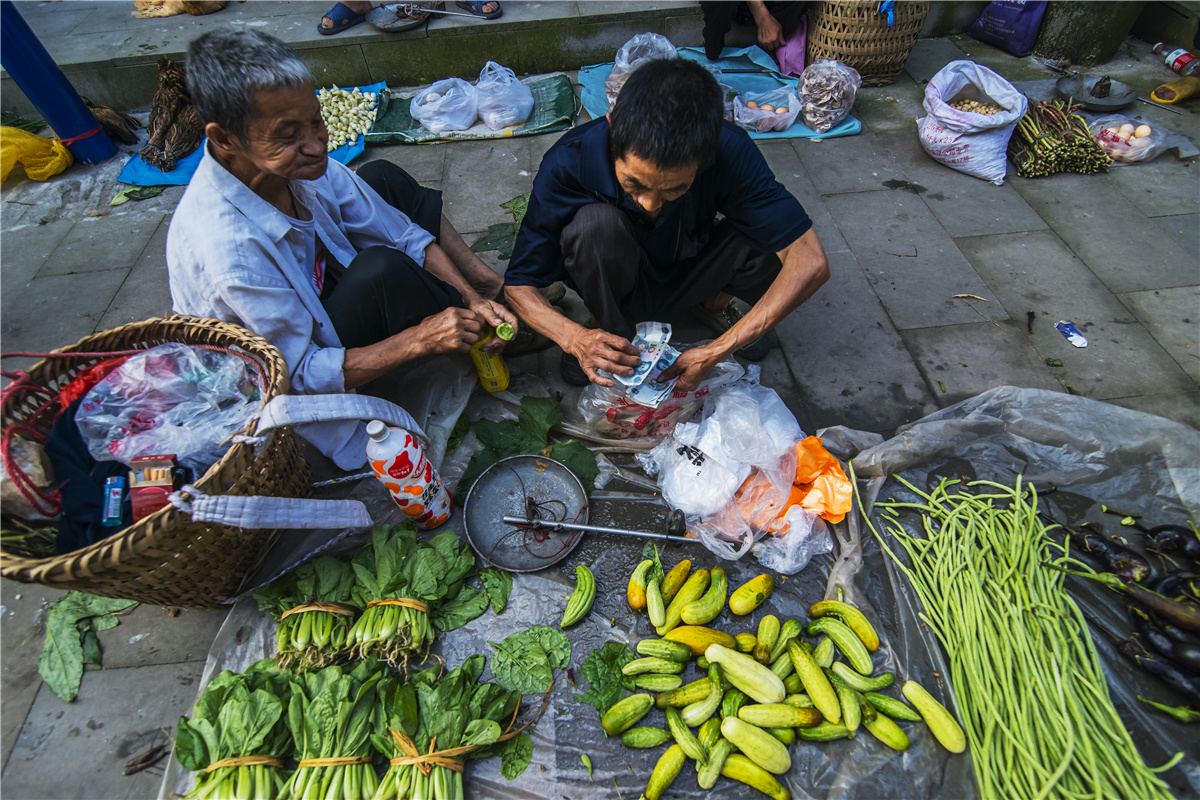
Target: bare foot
column 357, row 6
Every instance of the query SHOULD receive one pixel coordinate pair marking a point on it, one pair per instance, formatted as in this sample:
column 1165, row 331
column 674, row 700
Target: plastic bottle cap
column 377, row 430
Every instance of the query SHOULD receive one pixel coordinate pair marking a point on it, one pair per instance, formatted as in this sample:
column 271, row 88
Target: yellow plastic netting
column 42, row 158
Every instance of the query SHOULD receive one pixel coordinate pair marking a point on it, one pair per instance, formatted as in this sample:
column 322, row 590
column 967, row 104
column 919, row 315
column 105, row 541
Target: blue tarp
column 592, row 80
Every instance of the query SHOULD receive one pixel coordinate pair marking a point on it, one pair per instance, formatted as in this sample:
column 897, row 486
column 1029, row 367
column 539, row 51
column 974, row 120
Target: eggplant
column 1168, row 673
column 1121, row 561
column 1184, row 614
column 1184, row 714
column 1185, row 655
column 1177, row 633
column 1175, row 539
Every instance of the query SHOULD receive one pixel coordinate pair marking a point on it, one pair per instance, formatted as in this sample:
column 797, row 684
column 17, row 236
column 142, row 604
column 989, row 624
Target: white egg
column 1126, row 130
column 1142, row 131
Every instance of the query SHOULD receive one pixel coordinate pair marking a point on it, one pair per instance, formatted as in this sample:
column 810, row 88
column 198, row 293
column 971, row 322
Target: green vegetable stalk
column 243, row 717
column 310, row 605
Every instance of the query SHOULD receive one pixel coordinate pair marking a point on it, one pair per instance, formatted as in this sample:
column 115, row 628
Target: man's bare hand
column 494, row 314
column 770, row 34
column 600, row 350
column 692, row 366
column 450, row 331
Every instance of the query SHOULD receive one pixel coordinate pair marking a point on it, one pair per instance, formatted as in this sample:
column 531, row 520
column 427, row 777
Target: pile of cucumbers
column 760, row 691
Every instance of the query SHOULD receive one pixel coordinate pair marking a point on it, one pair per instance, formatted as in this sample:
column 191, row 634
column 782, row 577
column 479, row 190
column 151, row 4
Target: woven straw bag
column 856, row 34
column 167, row 558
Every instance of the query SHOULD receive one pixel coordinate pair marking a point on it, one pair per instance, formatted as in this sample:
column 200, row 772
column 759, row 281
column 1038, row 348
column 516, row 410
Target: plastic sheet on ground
column 1090, row 450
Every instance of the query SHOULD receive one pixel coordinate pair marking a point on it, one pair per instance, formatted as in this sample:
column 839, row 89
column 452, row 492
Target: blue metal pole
column 28, row 63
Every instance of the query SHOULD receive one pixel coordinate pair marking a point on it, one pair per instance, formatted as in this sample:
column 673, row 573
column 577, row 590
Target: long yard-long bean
column 1027, row 678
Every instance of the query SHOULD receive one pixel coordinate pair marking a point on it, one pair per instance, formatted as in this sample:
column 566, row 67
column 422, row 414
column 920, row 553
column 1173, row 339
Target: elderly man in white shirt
column 350, row 276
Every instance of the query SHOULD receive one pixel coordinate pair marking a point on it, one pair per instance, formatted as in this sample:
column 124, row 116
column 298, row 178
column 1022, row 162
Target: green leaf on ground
column 501, row 237
column 469, row 604
column 579, row 460
column 461, row 426
column 498, row 585
column 136, row 193
column 71, row 625
column 606, row 683
column 517, row 207
column 515, row 756
column 526, row 661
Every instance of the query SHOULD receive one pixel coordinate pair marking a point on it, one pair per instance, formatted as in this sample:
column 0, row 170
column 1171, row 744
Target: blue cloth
column 594, row 100
column 578, row 171
column 139, row 173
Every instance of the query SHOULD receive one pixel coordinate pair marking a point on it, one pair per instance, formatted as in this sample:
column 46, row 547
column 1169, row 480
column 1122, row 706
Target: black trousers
column 720, row 16
column 383, row 291
column 611, row 272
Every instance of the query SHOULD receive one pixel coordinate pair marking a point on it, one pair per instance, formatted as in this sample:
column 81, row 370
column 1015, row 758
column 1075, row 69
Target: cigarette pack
column 150, row 484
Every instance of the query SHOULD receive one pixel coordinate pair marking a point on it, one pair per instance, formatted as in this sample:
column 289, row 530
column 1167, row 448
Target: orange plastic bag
column 824, row 488
column 42, row 158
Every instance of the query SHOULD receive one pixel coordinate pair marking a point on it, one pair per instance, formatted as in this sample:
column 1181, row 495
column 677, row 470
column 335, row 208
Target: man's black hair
column 669, row 113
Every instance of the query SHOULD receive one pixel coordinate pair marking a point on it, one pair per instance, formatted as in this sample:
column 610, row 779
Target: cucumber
column 661, row 648
column 942, row 724
column 762, row 748
column 655, row 682
column 815, row 683
column 747, row 674
column 580, row 602
column 675, row 579
column 799, row 700
column 851, row 617
column 751, row 594
column 709, row 734
column 792, row 682
column 785, row 735
column 746, row 642
column 702, row 710
column 896, row 709
column 823, row 654
column 683, row 696
column 733, row 700
column 665, row 772
column 707, row 775
column 685, row 738
column 788, row 631
column 640, row 666
column 768, row 632
column 695, row 586
column 739, row 768
column 625, row 714
column 859, row 683
column 847, row 642
column 656, row 609
column 636, row 591
column 698, row 638
column 710, row 604
column 645, row 737
column 849, row 700
column 888, row 732
column 825, row 732
column 783, row 667
column 779, row 715
column 702, row 663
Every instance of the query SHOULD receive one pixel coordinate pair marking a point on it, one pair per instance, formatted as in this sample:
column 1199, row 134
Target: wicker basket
column 856, row 34
column 167, row 559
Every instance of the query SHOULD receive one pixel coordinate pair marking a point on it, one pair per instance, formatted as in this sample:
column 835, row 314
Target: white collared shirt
column 228, row 258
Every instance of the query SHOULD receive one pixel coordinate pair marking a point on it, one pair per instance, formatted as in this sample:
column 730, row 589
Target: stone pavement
column 883, row 343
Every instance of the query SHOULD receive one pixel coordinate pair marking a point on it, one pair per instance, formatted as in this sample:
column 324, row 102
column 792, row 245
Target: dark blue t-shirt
column 578, row 171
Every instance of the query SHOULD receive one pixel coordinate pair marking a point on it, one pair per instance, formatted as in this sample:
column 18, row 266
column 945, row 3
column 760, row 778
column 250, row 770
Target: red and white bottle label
column 1178, row 59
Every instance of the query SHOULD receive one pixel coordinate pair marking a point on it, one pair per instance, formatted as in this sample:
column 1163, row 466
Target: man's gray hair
column 226, row 67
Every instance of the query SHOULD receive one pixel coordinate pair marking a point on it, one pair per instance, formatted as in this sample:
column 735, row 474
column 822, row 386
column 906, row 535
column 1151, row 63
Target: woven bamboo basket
column 856, row 34
column 166, row 558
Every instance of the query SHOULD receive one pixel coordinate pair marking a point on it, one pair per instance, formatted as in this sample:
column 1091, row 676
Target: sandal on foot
column 342, row 18
column 476, row 7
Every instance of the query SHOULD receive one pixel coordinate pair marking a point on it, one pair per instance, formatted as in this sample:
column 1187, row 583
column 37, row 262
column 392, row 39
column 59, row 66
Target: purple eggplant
column 1185, row 655
column 1169, row 673
column 1175, row 539
column 1120, row 560
column 1184, row 614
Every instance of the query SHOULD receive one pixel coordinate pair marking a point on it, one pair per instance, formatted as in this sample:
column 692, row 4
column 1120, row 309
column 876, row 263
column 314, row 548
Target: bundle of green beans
column 1028, row 681
column 1052, row 138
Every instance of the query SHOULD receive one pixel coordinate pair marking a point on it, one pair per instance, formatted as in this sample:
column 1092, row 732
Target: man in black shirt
column 624, row 209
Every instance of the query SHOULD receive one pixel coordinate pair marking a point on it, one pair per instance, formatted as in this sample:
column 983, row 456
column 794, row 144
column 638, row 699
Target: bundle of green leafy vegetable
column 332, row 714
column 316, row 636
column 528, row 434
column 399, row 566
column 435, row 713
column 239, row 714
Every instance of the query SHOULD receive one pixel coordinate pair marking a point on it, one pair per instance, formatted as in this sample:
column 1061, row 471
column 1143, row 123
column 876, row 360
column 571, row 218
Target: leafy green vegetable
column 469, row 604
column 461, row 426
column 526, row 661
column 516, row 756
column 312, row 638
column 71, row 624
column 587, row 762
column 11, row 119
column 136, row 193
column 650, row 551
column 498, row 585
column 606, row 683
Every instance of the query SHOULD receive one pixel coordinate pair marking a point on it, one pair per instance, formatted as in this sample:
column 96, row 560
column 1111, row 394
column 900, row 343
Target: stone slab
column 425, row 163
column 960, row 361
column 608, row 10
column 149, row 636
column 964, row 205
column 421, row 61
column 100, row 243
column 479, row 176
column 22, row 253
column 146, row 292
column 539, row 146
column 1120, row 244
column 78, row 750
column 22, row 608
column 1173, row 318
column 516, row 17
column 1013, row 68
column 569, row 47
column 1181, row 407
column 337, row 66
column 1164, row 187
column 912, row 263
column 930, row 55
column 851, row 366
column 891, row 108
column 848, row 163
column 1184, row 230
column 784, row 162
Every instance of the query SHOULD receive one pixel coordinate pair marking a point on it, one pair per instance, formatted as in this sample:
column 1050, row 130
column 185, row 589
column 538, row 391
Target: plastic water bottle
column 1178, row 59
column 493, row 372
column 398, row 460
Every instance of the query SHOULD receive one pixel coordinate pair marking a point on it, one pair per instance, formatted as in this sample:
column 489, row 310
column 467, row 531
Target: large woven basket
column 167, row 559
column 856, row 34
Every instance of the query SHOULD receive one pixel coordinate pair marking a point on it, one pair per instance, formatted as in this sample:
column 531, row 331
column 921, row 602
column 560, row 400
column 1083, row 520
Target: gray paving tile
column 847, row 164
column 891, row 109
column 915, row 268
column 1164, row 187
column 100, row 243
column 1178, row 406
column 149, row 636
column 1184, row 230
column 146, row 292
column 539, row 146
column 851, row 366
column 421, row 61
column 337, row 66
column 1012, row 67
column 23, row 252
column 607, row 11
column 481, row 175
column 1121, row 245
column 21, row 637
column 964, row 204
column 960, row 361
column 118, row 714
column 1173, row 317
column 1036, row 272
column 424, row 162
column 784, row 162
column 930, row 55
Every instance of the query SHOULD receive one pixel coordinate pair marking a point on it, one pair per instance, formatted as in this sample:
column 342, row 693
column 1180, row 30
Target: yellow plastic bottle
column 493, row 372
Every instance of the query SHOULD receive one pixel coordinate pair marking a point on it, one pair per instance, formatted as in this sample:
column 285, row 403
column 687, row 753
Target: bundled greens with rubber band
column 311, row 606
column 237, row 737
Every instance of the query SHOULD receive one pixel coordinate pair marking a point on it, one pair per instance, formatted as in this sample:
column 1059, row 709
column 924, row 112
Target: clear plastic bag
column 1113, row 133
column 450, row 104
column 637, row 51
column 170, row 400
column 694, row 472
column 788, row 551
column 755, row 118
column 828, row 89
column 504, row 102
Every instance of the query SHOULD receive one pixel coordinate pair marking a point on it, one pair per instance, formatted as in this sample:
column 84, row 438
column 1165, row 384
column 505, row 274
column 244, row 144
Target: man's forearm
column 535, row 311
column 438, row 263
column 365, row 364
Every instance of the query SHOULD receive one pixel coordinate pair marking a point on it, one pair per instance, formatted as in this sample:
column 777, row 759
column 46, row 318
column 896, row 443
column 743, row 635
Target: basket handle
column 265, row 513
column 293, row 409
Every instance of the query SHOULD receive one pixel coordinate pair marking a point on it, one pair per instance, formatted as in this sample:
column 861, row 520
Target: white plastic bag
column 504, row 102
column 694, row 472
column 790, row 552
column 1114, row 136
column 784, row 108
column 450, row 104
column 976, row 144
column 828, row 89
column 637, row 51
column 757, row 429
